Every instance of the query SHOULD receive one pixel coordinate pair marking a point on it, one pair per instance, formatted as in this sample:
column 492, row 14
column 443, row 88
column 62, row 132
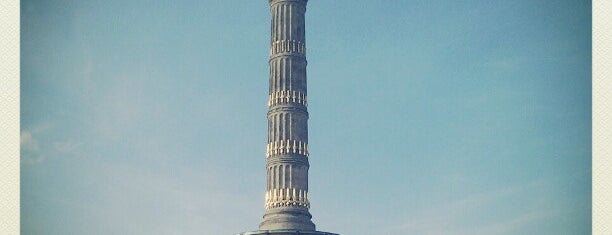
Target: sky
column 426, row 117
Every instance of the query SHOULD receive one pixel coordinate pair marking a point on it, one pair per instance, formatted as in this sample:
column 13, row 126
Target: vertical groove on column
column 299, row 23
column 276, row 29
column 279, row 31
column 282, row 124
column 286, row 180
column 278, row 176
column 291, row 127
column 292, row 26
column 284, row 25
column 287, row 17
column 271, row 178
column 278, row 76
column 278, row 22
column 273, row 76
column 273, row 33
column 290, row 176
column 306, row 179
column 290, row 22
column 286, row 73
column 272, row 68
column 281, row 133
column 282, row 75
column 281, row 175
column 283, row 20
column 275, row 132
column 290, row 73
column 284, row 121
column 287, row 130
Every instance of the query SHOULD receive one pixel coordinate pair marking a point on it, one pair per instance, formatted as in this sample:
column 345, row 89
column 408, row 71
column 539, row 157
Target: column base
column 286, row 232
column 287, row 218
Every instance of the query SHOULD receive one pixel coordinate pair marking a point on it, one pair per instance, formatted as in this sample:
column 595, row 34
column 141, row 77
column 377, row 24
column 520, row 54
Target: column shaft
column 287, row 152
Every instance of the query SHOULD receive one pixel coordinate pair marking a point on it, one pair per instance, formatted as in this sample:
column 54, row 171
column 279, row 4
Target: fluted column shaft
column 287, row 148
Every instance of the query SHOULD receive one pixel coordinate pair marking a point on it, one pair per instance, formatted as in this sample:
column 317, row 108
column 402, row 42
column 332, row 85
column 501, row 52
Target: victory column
column 286, row 200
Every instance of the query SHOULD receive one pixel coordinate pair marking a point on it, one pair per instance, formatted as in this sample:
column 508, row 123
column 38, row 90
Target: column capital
column 302, row 2
column 276, row 1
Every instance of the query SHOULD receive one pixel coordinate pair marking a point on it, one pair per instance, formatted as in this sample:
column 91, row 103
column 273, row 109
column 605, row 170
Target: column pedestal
column 296, row 218
column 286, row 232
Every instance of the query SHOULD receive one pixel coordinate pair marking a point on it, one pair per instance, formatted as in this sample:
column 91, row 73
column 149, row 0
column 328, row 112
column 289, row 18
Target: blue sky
column 426, row 117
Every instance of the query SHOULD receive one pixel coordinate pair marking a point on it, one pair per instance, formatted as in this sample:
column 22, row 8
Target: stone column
column 287, row 148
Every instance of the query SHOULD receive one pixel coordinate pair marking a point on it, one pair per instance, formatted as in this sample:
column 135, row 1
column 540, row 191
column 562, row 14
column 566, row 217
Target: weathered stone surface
column 286, row 232
column 287, row 151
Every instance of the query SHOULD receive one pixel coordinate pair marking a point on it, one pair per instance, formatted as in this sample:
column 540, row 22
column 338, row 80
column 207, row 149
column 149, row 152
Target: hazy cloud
column 68, row 146
column 507, row 226
column 30, row 150
column 441, row 219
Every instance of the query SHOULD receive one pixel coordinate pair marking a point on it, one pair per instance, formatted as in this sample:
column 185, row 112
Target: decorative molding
column 281, row 1
column 286, row 147
column 295, row 56
column 273, row 110
column 287, row 159
column 287, row 46
column 286, row 197
column 287, row 97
